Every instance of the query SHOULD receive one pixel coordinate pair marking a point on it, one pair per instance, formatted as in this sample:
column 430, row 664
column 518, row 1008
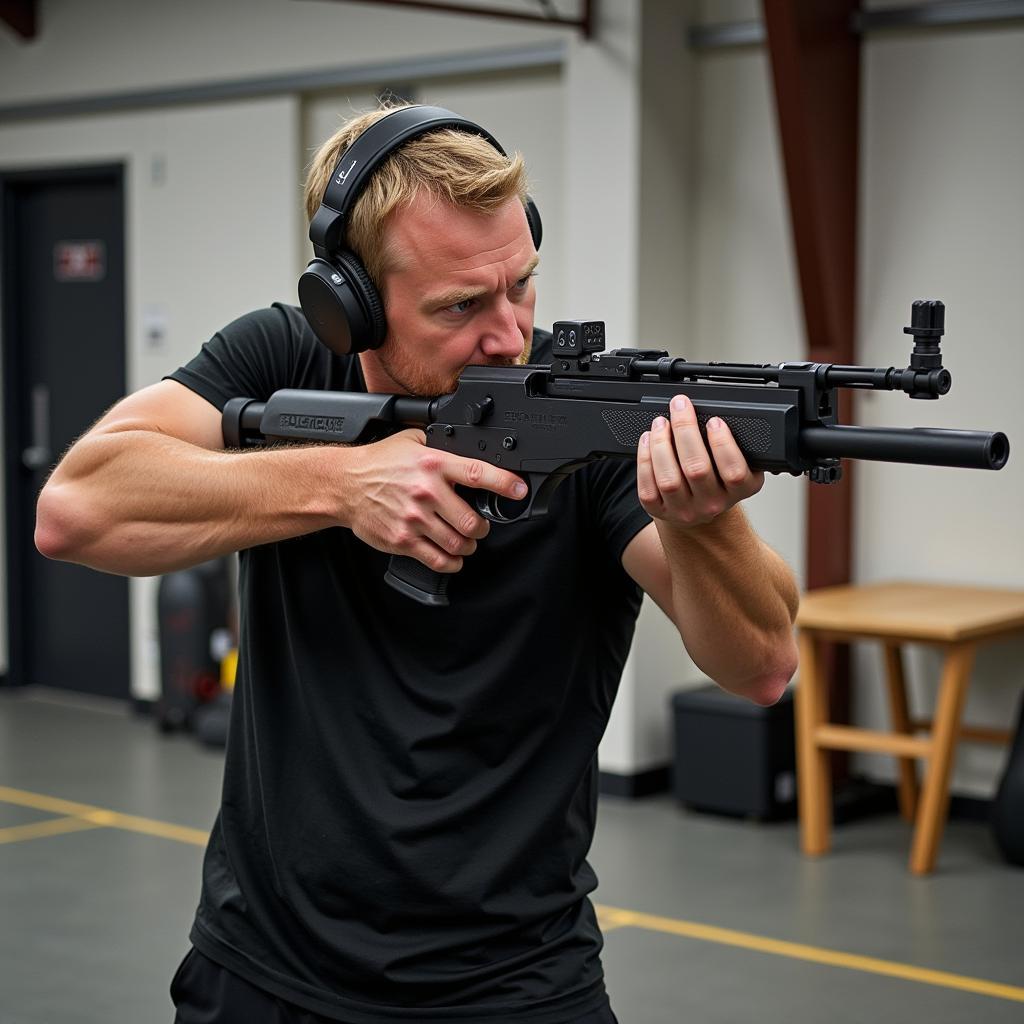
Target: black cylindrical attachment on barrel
column 969, row 449
column 927, row 323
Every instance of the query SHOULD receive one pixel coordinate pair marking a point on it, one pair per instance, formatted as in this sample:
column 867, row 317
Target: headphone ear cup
column 372, row 334
column 342, row 305
column 533, row 219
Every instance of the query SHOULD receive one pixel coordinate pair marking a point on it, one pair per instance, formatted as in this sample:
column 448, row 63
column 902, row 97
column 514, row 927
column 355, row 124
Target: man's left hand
column 679, row 480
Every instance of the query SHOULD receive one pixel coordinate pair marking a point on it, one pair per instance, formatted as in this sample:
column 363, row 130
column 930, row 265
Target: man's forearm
column 139, row 503
column 734, row 601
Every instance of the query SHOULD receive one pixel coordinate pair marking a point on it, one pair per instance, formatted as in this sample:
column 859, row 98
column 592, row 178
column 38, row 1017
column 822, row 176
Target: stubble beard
column 416, row 379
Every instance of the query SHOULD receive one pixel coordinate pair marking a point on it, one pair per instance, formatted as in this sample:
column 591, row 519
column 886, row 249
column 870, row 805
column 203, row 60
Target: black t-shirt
column 410, row 792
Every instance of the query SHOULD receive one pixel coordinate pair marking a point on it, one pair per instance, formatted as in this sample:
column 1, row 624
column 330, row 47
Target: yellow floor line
column 814, row 954
column 607, row 923
column 611, row 918
column 38, row 829
column 42, row 803
column 99, row 816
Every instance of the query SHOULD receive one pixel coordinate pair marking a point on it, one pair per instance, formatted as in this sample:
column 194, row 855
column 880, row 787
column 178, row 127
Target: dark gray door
column 64, row 365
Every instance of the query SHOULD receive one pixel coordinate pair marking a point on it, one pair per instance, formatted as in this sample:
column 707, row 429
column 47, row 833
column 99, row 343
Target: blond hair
column 453, row 166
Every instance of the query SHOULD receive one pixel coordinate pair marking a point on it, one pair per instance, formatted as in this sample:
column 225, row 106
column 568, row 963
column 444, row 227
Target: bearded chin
column 419, row 384
column 412, row 379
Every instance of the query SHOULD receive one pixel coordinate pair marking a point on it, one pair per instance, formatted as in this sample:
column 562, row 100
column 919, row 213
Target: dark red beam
column 815, row 61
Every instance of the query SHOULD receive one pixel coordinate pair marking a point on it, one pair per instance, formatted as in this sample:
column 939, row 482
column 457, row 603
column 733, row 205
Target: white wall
column 100, row 46
column 602, row 128
column 627, row 221
column 666, row 260
column 675, row 231
column 745, row 294
column 941, row 216
column 204, row 242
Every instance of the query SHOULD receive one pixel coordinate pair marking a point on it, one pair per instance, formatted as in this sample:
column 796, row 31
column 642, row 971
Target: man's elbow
column 767, row 687
column 59, row 533
column 773, row 685
column 768, row 691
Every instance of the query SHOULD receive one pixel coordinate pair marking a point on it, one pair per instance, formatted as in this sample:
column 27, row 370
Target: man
column 410, row 792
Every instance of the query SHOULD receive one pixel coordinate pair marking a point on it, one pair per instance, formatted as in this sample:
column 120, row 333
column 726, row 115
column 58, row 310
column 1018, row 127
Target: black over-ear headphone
column 336, row 294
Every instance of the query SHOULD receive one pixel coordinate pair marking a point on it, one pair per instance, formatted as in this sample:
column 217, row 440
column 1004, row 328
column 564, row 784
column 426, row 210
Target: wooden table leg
column 931, row 813
column 814, row 775
column 898, row 708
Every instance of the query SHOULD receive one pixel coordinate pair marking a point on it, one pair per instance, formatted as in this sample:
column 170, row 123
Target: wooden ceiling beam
column 20, row 15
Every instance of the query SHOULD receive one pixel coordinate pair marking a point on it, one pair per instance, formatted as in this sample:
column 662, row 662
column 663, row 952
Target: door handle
column 37, row 454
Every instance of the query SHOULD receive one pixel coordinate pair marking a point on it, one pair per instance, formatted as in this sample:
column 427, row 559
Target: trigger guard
column 489, row 505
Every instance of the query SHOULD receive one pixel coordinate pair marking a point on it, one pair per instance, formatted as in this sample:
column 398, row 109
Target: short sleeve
column 615, row 509
column 252, row 357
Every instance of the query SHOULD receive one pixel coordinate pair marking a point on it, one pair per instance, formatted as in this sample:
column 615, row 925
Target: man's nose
column 502, row 337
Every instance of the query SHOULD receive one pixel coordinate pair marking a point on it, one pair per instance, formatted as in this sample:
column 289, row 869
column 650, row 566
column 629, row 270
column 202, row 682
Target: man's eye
column 460, row 307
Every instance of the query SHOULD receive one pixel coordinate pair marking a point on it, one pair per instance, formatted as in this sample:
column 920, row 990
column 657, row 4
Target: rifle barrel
column 930, row 446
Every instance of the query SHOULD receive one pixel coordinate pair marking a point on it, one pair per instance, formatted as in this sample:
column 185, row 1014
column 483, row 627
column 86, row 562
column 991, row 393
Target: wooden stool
column 954, row 619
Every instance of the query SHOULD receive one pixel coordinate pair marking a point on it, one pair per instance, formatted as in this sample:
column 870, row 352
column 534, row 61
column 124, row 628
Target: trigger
column 499, row 509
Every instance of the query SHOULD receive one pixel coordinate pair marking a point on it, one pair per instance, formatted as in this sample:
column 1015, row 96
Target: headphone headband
column 369, row 150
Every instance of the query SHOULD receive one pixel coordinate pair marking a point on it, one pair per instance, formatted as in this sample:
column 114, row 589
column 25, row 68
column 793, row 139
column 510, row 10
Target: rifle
column 546, row 422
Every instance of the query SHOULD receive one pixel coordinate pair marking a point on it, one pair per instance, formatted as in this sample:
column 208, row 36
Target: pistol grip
column 412, row 578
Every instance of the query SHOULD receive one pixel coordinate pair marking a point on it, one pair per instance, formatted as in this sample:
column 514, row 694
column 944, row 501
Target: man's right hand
column 403, row 499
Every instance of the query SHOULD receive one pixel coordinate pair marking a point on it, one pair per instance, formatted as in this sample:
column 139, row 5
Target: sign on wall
column 79, row 261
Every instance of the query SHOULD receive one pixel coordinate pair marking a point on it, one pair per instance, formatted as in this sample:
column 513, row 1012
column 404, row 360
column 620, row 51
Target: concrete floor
column 735, row 925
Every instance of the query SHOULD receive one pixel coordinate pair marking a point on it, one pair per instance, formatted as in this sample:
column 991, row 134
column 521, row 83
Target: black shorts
column 203, row 992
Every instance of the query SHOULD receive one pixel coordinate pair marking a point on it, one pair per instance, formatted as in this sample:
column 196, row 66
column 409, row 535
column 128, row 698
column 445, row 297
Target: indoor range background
column 656, row 156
